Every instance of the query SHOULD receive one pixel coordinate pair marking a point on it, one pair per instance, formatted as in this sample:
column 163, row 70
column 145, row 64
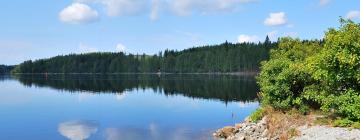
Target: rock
column 265, row 133
column 215, row 134
column 263, row 121
column 231, row 138
column 239, row 136
column 238, row 126
column 260, row 129
column 225, row 132
column 249, row 138
column 244, row 131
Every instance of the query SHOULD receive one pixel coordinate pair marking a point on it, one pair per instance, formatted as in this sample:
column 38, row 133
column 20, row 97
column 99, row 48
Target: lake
column 122, row 106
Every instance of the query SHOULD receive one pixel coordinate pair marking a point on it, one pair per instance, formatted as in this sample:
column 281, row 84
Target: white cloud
column 120, row 7
column 120, row 47
column 324, row 2
column 353, row 15
column 86, row 49
column 78, row 13
column 247, row 38
column 276, row 19
column 178, row 7
column 155, row 9
column 77, row 130
column 182, row 7
column 187, row 7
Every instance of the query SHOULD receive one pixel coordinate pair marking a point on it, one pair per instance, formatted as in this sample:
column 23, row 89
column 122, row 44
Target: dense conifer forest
column 5, row 69
column 226, row 57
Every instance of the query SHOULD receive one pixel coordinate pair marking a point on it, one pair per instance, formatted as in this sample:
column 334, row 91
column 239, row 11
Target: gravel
column 328, row 133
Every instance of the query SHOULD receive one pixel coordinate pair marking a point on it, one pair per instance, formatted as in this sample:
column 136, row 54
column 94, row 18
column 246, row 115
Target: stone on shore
column 259, row 131
column 244, row 131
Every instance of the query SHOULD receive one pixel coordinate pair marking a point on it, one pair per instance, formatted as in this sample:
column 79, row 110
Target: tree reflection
column 219, row 87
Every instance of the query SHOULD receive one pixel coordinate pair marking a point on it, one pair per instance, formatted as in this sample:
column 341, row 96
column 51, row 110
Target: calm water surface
column 122, row 107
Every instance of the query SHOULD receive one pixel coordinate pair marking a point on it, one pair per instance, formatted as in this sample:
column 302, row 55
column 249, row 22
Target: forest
column 225, row 57
column 5, row 69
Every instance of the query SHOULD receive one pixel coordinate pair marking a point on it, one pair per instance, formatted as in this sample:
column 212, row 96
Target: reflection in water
column 247, row 104
column 120, row 97
column 154, row 132
column 219, row 87
column 77, row 130
column 127, row 106
column 4, row 77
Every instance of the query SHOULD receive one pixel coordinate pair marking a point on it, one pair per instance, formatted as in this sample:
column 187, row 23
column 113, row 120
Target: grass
column 356, row 125
column 257, row 115
column 336, row 121
column 285, row 123
column 279, row 123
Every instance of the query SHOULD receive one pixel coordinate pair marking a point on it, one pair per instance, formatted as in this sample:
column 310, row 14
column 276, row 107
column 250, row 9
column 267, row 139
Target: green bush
column 343, row 123
column 315, row 74
column 283, row 78
column 356, row 125
column 304, row 109
column 257, row 115
column 337, row 71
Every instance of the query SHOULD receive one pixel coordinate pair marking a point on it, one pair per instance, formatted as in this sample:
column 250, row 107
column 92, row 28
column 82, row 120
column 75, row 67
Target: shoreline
column 287, row 128
column 150, row 73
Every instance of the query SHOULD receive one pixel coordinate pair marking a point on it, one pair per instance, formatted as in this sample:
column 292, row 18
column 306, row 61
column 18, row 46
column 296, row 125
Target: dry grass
column 284, row 124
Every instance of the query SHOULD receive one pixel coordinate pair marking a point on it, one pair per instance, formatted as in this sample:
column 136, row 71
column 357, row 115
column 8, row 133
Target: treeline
column 226, row 57
column 5, row 69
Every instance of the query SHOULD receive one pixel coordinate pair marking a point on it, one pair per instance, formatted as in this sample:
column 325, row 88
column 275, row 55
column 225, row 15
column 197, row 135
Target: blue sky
column 42, row 28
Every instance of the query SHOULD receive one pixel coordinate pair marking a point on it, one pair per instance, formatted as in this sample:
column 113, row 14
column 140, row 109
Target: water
column 122, row 107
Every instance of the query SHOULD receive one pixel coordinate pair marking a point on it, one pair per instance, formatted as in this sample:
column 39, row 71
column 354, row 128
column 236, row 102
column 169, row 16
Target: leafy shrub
column 336, row 70
column 343, row 122
column 316, row 74
column 283, row 78
column 304, row 109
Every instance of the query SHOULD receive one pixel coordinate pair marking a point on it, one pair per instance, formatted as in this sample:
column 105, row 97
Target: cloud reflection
column 77, row 130
column 154, row 132
column 247, row 104
column 121, row 96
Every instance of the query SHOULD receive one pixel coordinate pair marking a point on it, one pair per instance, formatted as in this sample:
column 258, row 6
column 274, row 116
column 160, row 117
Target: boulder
column 239, row 125
column 225, row 132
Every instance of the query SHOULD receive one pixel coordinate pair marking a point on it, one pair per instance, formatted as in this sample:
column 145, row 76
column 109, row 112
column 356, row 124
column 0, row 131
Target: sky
column 41, row 28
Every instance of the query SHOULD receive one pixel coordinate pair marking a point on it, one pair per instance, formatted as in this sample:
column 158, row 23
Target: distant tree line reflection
column 218, row 87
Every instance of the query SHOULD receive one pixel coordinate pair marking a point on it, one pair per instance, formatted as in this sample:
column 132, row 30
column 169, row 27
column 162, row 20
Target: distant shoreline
column 150, row 73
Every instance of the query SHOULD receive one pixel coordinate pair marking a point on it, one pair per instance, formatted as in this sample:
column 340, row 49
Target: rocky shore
column 259, row 131
column 245, row 131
